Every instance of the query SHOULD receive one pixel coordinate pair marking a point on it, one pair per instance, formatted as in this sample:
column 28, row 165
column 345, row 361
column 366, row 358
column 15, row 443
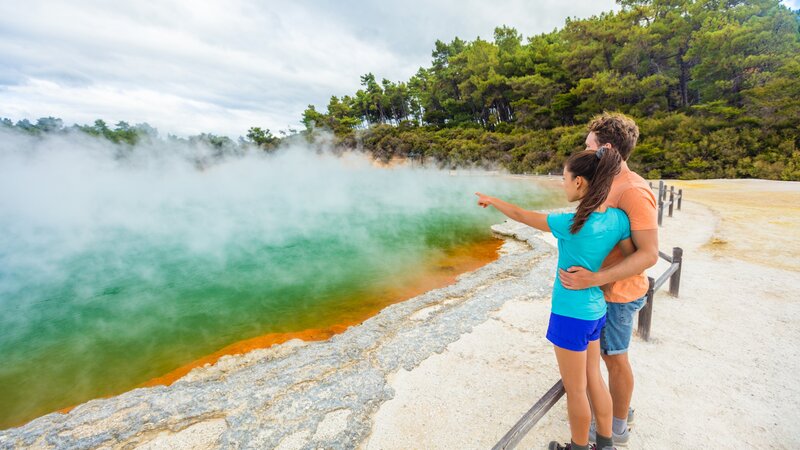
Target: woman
column 585, row 238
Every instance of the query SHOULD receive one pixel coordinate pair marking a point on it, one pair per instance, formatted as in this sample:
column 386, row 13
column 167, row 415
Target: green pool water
column 112, row 274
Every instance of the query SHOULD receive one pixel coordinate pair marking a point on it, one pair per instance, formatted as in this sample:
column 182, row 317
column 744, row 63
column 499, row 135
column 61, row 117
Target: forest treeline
column 712, row 84
column 130, row 135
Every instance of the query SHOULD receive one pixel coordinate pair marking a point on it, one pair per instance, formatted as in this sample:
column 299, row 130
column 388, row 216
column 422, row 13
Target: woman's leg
column 598, row 391
column 572, row 366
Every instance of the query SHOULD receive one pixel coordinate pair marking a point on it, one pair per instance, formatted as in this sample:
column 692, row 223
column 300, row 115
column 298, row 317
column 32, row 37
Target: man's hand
column 577, row 277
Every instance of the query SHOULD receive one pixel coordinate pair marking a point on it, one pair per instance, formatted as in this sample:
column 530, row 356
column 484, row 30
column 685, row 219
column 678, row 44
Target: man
column 622, row 278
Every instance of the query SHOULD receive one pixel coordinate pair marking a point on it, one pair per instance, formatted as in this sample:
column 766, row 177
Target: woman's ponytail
column 598, row 168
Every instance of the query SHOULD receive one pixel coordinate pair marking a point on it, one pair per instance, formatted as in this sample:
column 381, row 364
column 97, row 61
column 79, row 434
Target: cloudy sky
column 187, row 67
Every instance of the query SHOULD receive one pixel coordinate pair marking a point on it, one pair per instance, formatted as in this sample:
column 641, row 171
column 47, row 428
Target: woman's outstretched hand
column 483, row 200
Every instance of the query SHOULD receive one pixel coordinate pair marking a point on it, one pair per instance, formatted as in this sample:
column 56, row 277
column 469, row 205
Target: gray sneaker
column 619, row 439
column 555, row 445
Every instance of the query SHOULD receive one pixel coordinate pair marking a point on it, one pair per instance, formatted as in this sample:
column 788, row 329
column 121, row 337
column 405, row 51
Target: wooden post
column 671, row 199
column 646, row 313
column 675, row 279
column 660, row 201
column 680, row 197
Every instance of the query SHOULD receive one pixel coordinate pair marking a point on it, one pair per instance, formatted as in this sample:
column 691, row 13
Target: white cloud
column 221, row 67
column 172, row 113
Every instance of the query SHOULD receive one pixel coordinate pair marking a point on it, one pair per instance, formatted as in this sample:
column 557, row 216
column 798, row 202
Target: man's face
column 591, row 141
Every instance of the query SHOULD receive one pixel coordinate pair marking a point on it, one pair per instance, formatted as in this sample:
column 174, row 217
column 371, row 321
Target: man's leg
column 620, row 383
column 614, row 342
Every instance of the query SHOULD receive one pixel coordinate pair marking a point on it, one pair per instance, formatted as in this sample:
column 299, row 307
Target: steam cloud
column 115, row 261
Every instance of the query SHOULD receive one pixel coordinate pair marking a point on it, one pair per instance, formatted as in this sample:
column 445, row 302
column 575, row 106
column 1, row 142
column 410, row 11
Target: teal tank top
column 587, row 248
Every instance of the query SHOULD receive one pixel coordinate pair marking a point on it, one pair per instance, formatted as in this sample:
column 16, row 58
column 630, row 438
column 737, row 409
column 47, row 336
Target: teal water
column 115, row 272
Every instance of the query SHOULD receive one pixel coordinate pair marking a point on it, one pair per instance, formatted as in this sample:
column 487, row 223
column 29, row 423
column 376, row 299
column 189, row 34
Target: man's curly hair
column 616, row 129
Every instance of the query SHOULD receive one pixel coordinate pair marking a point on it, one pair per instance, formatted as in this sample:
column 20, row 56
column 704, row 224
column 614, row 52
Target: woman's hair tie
column 600, row 152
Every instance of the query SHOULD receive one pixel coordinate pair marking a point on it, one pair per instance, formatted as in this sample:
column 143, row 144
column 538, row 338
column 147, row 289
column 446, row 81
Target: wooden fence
column 673, row 274
column 675, row 199
column 548, row 400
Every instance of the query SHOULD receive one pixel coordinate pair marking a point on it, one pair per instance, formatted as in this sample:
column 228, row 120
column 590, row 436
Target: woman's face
column 573, row 186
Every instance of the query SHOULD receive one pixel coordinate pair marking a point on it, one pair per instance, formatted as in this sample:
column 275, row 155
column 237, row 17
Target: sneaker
column 555, row 445
column 620, row 439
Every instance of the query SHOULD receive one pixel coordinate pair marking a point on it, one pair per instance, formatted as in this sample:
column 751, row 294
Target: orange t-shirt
column 632, row 194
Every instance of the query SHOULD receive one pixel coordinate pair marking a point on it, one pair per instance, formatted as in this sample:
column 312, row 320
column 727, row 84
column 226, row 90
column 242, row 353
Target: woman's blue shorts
column 573, row 334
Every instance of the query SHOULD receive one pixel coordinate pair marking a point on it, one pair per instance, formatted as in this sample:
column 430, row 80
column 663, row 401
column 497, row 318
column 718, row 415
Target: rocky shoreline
column 302, row 394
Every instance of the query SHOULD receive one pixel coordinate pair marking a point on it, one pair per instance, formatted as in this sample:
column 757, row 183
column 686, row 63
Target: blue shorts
column 573, row 334
column 616, row 336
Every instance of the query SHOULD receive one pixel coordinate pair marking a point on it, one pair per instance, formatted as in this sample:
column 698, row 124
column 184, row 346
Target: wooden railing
column 663, row 202
column 521, row 428
column 548, row 400
column 673, row 274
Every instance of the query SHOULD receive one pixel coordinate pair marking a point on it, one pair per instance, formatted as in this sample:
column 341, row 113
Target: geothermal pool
column 118, row 266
